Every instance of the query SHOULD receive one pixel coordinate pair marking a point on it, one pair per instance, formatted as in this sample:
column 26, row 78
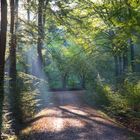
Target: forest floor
column 67, row 117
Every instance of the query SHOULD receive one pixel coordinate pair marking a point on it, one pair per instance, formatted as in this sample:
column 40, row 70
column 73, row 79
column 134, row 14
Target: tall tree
column 3, row 30
column 28, row 11
column 40, row 32
column 14, row 95
column 132, row 50
column 12, row 70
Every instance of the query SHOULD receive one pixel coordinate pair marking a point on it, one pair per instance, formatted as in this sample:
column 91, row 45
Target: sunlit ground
column 71, row 119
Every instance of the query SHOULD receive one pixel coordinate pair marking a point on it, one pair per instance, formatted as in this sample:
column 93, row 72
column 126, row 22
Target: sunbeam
column 69, row 69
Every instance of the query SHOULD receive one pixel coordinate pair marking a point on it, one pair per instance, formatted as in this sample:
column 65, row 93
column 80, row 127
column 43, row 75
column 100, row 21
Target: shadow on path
column 68, row 119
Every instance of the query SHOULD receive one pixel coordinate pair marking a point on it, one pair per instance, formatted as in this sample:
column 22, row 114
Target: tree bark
column 3, row 31
column 14, row 95
column 12, row 70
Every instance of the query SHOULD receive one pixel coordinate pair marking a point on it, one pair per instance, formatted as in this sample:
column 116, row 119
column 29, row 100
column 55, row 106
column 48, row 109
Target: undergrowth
column 123, row 104
column 27, row 100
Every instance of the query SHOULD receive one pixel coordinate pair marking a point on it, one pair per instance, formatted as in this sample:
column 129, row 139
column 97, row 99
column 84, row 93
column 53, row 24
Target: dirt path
column 65, row 117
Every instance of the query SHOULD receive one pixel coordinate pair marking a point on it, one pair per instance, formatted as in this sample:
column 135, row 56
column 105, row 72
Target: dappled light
column 79, row 122
column 69, row 70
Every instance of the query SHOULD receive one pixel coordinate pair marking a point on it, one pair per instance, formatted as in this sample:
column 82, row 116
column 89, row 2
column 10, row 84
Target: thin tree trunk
column 29, row 68
column 40, row 33
column 28, row 11
column 82, row 81
column 64, row 81
column 117, row 71
column 3, row 32
column 125, row 62
column 132, row 50
column 120, row 65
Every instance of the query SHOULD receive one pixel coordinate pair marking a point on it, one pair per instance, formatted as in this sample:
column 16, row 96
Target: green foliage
column 118, row 104
column 73, row 82
column 126, row 102
column 29, row 88
column 28, row 103
column 7, row 132
column 132, row 94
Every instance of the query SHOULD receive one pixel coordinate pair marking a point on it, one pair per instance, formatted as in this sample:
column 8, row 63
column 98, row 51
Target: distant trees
column 121, row 22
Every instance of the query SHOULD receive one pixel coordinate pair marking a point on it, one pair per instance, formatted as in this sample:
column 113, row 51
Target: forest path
column 66, row 117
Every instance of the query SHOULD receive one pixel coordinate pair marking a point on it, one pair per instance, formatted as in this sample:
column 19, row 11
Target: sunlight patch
column 58, row 124
column 69, row 122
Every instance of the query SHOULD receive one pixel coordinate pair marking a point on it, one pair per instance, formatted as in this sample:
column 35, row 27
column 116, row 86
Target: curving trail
column 66, row 117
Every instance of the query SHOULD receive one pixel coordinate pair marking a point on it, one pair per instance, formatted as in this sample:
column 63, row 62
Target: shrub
column 29, row 88
column 132, row 94
column 124, row 102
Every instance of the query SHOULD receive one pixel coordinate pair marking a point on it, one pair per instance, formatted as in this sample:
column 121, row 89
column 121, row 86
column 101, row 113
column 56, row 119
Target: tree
column 14, row 94
column 3, row 31
column 12, row 44
column 40, row 32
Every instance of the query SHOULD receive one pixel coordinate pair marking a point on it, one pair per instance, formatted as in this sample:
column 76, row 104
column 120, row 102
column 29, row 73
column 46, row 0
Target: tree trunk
column 120, row 65
column 82, row 82
column 132, row 50
column 14, row 95
column 3, row 32
column 125, row 62
column 40, row 33
column 117, row 70
column 28, row 11
column 12, row 70
column 64, row 81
